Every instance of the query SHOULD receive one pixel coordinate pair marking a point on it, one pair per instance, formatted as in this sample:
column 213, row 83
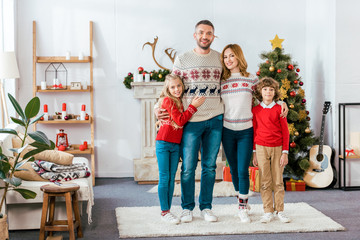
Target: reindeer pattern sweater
column 201, row 74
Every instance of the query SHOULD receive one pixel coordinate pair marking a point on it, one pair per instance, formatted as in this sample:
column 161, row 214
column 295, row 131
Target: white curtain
column 7, row 44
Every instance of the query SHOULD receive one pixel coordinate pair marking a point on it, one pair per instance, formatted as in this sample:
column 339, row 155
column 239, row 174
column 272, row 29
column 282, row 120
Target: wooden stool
column 51, row 191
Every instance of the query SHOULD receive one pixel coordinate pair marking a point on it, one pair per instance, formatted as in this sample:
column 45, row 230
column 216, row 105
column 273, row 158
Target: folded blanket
column 56, row 173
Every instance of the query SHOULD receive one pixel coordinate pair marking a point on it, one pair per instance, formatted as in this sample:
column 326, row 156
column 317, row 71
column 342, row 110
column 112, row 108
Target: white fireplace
column 145, row 168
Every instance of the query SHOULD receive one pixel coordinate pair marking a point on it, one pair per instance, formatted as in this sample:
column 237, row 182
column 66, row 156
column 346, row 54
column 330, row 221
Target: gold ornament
column 307, row 130
column 285, row 84
column 291, row 106
column 276, row 42
column 160, row 76
column 296, row 133
column 302, row 115
column 271, row 68
column 283, row 94
column 291, row 128
column 301, row 92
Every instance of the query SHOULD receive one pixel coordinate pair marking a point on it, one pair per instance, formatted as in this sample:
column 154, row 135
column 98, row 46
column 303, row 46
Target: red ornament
column 267, row 61
column 141, row 69
column 82, row 147
column 66, row 118
column 144, row 74
column 293, row 144
column 304, row 100
column 301, row 83
column 290, row 67
column 129, row 74
column 296, row 74
column 62, row 148
column 307, row 112
column 292, row 94
column 258, row 73
column 298, row 69
column 296, row 81
column 87, row 117
column 42, row 118
column 279, row 70
column 307, row 118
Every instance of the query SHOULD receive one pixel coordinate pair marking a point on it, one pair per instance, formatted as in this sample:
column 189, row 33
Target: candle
column 67, row 55
column 84, row 85
column 63, row 114
column 46, row 115
column 147, row 77
column 81, row 56
column 140, row 78
column 45, row 108
column 82, row 112
column 43, row 85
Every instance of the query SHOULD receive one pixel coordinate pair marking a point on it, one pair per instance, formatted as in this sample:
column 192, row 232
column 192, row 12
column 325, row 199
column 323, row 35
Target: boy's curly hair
column 267, row 82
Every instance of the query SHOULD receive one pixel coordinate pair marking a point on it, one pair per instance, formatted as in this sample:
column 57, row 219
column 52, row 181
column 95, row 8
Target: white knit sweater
column 236, row 93
column 201, row 74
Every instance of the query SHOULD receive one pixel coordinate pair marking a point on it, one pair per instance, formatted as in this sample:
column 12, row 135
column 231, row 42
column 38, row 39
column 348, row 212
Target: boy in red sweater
column 271, row 148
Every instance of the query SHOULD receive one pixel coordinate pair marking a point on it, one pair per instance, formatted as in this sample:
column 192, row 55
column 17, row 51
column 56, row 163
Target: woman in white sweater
column 237, row 86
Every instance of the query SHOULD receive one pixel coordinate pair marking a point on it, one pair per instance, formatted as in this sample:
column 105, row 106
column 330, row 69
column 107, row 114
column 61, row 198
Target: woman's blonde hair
column 239, row 55
column 267, row 82
column 166, row 93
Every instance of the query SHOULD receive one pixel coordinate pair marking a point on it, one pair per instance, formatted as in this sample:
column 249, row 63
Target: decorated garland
column 158, row 76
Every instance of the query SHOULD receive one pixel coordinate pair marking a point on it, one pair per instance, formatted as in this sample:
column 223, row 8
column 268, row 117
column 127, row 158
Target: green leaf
column 13, row 181
column 33, row 152
column 27, row 194
column 36, row 119
column 17, row 106
column 40, row 145
column 40, row 137
column 2, row 175
column 32, row 108
column 18, row 121
column 8, row 130
column 20, row 164
column 19, row 150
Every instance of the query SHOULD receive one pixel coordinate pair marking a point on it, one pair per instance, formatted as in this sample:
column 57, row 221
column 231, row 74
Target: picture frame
column 75, row 85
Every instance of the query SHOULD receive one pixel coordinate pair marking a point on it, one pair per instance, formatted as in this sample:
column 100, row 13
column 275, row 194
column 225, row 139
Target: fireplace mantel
column 146, row 168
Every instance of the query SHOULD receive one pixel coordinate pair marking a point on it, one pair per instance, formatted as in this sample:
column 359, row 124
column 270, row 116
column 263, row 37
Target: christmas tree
column 280, row 67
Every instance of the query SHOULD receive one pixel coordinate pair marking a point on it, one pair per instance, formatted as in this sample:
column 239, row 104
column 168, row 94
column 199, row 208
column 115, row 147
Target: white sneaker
column 170, row 218
column 243, row 215
column 208, row 215
column 267, row 217
column 283, row 218
column 186, row 216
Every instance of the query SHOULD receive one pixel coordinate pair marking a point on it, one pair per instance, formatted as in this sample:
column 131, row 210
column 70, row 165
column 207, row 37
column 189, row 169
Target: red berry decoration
column 144, row 74
column 298, row 69
column 129, row 74
column 296, row 74
column 293, row 144
column 304, row 100
column 296, row 81
column 301, row 83
column 290, row 67
column 279, row 70
column 82, row 147
column 42, row 118
column 141, row 69
column 258, row 73
column 292, row 94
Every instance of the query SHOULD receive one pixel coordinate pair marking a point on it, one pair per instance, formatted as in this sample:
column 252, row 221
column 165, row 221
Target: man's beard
column 206, row 47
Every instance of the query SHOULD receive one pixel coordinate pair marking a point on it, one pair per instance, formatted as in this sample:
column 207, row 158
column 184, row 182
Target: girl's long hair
column 166, row 93
column 239, row 55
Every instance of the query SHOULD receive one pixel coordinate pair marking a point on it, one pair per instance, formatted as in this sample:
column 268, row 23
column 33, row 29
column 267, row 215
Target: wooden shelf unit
column 89, row 90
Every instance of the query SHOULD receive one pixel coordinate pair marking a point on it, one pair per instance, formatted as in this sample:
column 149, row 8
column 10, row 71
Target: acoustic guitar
column 321, row 173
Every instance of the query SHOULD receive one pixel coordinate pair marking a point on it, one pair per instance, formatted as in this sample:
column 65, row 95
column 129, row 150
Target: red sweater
column 270, row 129
column 167, row 132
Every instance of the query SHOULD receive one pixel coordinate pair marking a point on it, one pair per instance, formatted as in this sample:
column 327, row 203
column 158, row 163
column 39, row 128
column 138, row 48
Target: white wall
column 122, row 27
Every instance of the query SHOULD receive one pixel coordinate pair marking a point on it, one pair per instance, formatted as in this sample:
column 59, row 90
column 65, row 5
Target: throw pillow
column 29, row 175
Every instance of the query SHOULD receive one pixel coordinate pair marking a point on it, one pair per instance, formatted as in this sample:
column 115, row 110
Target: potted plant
column 10, row 164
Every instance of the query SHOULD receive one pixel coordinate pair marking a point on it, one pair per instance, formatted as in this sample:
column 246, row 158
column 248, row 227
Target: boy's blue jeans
column 168, row 155
column 208, row 135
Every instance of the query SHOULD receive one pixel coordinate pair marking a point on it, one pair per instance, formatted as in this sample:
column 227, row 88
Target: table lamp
column 8, row 70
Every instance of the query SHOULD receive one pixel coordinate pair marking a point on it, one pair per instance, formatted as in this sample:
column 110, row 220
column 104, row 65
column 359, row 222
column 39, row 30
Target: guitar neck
column 322, row 134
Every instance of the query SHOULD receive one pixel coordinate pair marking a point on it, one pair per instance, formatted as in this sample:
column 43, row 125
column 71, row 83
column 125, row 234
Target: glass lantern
column 56, row 76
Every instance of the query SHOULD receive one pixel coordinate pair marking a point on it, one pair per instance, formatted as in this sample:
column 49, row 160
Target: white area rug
column 145, row 222
column 221, row 189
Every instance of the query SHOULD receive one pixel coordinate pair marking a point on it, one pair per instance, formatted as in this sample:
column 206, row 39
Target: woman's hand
column 284, row 110
column 198, row 101
column 161, row 113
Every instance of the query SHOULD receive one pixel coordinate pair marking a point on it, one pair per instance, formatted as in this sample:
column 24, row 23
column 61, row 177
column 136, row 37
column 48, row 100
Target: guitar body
column 320, row 174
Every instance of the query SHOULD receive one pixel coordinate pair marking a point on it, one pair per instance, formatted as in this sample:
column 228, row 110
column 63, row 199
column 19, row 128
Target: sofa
column 26, row 213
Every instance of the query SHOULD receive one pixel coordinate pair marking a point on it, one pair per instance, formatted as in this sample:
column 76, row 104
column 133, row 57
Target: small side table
column 51, row 191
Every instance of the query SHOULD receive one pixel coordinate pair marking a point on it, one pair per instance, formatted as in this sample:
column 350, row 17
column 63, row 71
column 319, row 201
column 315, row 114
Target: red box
column 295, row 185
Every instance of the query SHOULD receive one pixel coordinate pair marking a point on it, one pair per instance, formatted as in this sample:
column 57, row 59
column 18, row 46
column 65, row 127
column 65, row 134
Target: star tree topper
column 276, row 42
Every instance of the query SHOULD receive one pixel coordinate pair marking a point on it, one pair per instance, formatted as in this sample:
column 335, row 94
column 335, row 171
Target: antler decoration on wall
column 153, row 45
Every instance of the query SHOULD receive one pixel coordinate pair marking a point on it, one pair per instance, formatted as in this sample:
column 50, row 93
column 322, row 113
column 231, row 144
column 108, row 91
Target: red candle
column 85, row 144
column 83, row 107
column 45, row 108
column 64, row 106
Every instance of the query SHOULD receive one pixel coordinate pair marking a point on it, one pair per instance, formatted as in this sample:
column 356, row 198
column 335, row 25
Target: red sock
column 163, row 213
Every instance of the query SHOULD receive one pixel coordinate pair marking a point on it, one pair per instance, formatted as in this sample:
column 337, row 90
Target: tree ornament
column 298, row 69
column 290, row 67
column 307, row 130
column 307, row 118
column 279, row 70
column 291, row 106
column 292, row 93
column 301, row 83
column 283, row 94
column 293, row 144
column 258, row 73
column 66, row 118
column 307, row 112
column 42, row 118
column 301, row 92
column 296, row 81
column 129, row 74
column 272, row 68
column 302, row 115
column 267, row 61
column 141, row 69
column 276, row 42
column 291, row 128
column 296, row 74
column 160, row 75
column 296, row 133
column 285, row 83
column 304, row 100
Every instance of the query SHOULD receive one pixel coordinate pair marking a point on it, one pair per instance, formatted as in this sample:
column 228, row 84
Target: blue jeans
column 208, row 135
column 238, row 147
column 168, row 155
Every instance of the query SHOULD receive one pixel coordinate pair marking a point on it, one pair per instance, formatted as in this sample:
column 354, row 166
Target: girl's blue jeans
column 168, row 155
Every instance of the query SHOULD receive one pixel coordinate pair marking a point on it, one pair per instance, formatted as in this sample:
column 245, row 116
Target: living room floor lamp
column 8, row 70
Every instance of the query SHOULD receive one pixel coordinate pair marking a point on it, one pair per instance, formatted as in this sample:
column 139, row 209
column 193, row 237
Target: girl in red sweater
column 168, row 140
column 271, row 148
